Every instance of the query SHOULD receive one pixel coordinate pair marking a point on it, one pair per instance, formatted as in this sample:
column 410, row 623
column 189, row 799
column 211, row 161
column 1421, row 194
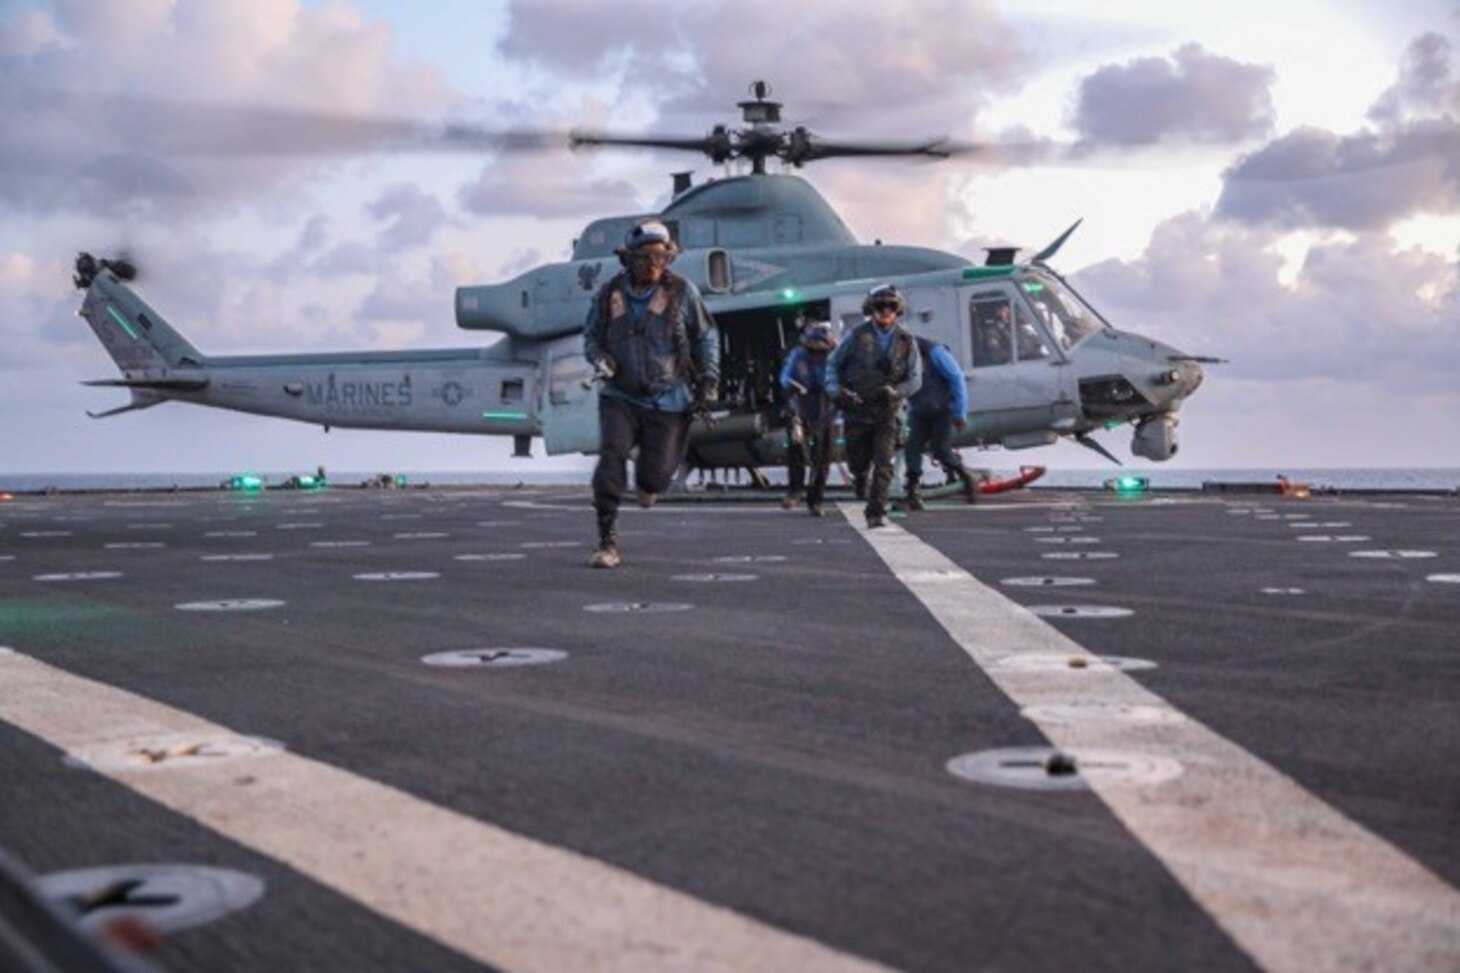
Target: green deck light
column 245, row 481
column 509, row 416
column 1128, row 485
column 789, row 294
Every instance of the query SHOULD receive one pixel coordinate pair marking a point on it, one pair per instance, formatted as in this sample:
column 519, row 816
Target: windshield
column 1069, row 319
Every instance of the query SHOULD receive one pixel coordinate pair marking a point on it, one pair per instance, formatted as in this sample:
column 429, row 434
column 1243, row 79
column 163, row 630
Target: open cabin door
column 570, row 413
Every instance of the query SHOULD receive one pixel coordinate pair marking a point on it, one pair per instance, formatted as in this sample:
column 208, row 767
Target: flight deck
column 1057, row 730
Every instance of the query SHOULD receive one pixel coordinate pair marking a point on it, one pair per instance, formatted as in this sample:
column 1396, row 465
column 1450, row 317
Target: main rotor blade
column 177, row 129
column 580, row 138
column 816, row 149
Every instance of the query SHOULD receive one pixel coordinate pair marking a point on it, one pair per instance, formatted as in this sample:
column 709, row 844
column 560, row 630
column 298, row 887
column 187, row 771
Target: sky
column 1274, row 184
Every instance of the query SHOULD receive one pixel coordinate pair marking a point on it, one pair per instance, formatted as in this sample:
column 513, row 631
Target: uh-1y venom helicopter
column 768, row 252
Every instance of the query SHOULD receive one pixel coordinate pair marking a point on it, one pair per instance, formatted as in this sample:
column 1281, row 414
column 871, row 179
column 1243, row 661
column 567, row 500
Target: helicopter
column 769, row 254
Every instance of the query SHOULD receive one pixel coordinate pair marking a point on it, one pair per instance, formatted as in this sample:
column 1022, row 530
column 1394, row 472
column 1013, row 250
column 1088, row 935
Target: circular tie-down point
column 1048, row 769
column 546, row 545
column 803, row 541
column 420, row 535
column 1079, row 555
column 642, row 607
column 397, row 576
column 494, row 658
column 80, row 576
column 713, row 578
column 490, row 557
column 45, row 533
column 1335, row 538
column 751, row 559
column 229, row 605
column 1444, row 578
column 166, row 898
column 170, row 751
column 1080, row 611
column 236, row 557
column 1046, row 582
column 1284, row 591
column 231, row 533
column 1399, row 554
column 1070, row 662
column 332, row 544
column 1099, row 711
column 135, row 546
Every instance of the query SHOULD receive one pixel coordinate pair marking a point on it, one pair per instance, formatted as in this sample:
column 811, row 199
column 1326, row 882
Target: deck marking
column 1299, row 886
column 509, row 901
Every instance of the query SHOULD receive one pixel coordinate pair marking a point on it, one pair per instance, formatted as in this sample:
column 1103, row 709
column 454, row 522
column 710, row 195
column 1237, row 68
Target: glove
column 847, row 399
column 960, row 424
column 605, row 368
column 706, row 394
column 887, row 394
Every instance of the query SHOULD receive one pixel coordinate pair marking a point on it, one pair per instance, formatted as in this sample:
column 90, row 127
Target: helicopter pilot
column 656, row 353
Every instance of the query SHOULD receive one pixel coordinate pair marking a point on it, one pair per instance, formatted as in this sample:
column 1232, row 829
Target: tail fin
column 141, row 343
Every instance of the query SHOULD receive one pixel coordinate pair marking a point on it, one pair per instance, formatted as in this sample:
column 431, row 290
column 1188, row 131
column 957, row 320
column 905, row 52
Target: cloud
column 117, row 107
column 414, row 216
column 1192, row 95
column 1428, row 85
column 520, row 185
column 1386, row 321
column 1365, row 181
column 898, row 67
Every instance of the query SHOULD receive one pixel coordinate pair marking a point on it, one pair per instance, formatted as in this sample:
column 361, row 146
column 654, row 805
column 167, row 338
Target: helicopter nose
column 1178, row 381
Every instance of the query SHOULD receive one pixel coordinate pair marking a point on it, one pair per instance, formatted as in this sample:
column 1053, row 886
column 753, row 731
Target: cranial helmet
column 648, row 231
column 883, row 293
column 818, row 336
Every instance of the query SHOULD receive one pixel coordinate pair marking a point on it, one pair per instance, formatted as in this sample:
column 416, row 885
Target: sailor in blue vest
column 657, row 353
column 810, row 431
column 938, row 408
column 870, row 375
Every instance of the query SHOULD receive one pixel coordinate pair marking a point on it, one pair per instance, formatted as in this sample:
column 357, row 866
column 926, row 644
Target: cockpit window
column 992, row 329
column 1068, row 318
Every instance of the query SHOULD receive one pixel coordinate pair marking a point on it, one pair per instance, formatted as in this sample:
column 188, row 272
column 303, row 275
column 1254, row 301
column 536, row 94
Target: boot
column 859, row 487
column 912, row 497
column 607, row 554
column 792, row 500
column 970, row 486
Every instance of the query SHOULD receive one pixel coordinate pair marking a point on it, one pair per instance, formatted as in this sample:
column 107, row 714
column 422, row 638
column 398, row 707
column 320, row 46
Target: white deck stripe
column 1298, row 885
column 506, row 900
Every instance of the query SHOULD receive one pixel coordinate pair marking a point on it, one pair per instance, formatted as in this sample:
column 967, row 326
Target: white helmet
column 648, row 231
column 884, row 294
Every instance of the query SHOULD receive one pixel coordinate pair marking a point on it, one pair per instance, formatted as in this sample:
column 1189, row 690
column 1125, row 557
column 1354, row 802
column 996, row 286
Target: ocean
column 1160, row 479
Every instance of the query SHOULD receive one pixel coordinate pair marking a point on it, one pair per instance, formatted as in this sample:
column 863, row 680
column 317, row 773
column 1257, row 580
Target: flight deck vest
column 935, row 395
column 866, row 369
column 652, row 353
column 809, row 370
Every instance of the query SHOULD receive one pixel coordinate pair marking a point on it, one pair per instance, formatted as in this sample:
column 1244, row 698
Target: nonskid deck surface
column 737, row 751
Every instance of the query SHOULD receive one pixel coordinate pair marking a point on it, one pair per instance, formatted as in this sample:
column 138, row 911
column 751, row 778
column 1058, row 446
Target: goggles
column 652, row 258
column 880, row 306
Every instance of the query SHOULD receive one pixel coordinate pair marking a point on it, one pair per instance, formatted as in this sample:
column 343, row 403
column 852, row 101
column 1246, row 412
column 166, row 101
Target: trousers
column 661, row 437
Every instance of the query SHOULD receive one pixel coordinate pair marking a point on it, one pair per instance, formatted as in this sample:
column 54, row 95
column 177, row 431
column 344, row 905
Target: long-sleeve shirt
column 942, row 364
